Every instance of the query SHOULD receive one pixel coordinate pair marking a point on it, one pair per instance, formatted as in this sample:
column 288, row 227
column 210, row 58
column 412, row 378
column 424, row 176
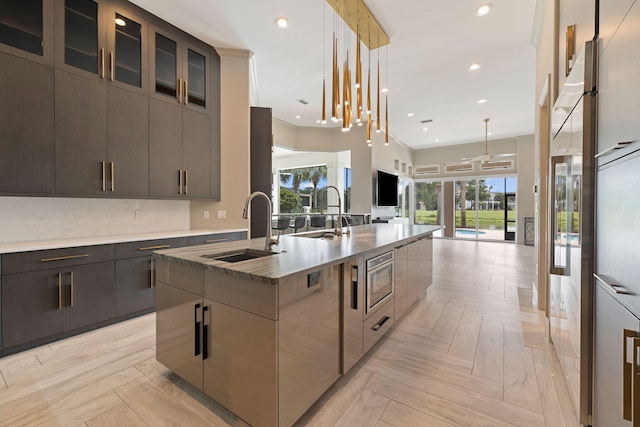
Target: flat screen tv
column 387, row 189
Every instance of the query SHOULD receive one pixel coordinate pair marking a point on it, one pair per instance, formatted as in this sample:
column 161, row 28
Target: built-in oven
column 379, row 280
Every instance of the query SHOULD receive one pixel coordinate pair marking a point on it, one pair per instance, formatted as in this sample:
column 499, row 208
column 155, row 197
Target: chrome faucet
column 269, row 241
column 338, row 229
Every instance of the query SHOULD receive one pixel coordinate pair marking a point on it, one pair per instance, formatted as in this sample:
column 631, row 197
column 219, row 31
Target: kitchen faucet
column 338, row 229
column 269, row 241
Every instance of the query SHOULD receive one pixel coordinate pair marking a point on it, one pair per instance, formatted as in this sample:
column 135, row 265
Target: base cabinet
column 353, row 307
column 42, row 303
column 401, row 279
column 617, row 333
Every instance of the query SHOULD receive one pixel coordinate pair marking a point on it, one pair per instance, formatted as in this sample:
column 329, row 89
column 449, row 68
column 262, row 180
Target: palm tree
column 316, row 173
column 299, row 175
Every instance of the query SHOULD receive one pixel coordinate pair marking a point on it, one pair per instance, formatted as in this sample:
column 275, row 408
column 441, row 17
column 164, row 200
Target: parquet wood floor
column 473, row 352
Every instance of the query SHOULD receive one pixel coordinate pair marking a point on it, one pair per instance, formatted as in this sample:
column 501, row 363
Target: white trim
column 544, row 92
column 536, row 26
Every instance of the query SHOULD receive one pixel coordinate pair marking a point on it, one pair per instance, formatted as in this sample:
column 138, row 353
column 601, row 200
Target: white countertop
column 104, row 240
column 296, row 254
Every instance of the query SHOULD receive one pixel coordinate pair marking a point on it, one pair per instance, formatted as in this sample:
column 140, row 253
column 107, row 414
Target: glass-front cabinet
column 26, row 29
column 179, row 71
column 101, row 41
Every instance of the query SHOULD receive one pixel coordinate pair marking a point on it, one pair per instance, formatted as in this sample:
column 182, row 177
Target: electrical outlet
column 222, row 214
column 138, row 214
column 205, row 214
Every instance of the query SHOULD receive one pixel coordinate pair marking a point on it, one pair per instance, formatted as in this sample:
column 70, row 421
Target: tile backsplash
column 25, row 219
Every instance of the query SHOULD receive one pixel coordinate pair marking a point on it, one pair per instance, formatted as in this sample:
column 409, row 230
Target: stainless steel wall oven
column 379, row 279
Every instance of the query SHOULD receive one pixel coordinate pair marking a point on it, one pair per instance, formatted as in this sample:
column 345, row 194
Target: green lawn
column 493, row 220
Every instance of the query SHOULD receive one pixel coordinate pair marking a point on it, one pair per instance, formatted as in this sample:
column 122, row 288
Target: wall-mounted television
column 387, row 189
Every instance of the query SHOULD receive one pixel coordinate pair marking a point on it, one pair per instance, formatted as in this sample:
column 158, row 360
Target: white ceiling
column 433, row 42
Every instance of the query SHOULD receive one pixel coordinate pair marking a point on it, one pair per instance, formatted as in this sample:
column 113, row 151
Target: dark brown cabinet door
column 32, row 305
column 81, row 38
column 197, row 77
column 91, row 294
column 26, row 151
column 127, row 50
column 134, row 285
column 80, row 135
column 165, row 66
column 128, row 143
column 165, row 149
column 196, row 154
column 26, row 29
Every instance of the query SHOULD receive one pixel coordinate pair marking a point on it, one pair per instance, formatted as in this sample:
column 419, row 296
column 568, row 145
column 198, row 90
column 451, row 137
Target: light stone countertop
column 298, row 254
column 104, row 240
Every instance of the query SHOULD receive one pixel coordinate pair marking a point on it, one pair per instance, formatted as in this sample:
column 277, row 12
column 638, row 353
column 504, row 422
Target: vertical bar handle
column 636, row 383
column 627, row 376
column 102, row 62
column 354, row 287
column 151, row 278
column 112, row 65
column 554, row 268
column 113, row 175
column 71, row 287
column 186, row 92
column 179, row 92
column 59, row 291
column 196, row 330
column 205, row 333
column 186, row 181
column 180, row 181
column 104, row 176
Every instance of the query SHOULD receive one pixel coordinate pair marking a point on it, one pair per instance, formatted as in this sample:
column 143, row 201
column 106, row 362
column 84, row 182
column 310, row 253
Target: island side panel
column 308, row 339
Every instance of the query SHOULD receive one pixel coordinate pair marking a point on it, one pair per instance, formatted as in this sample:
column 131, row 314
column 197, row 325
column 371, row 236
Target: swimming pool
column 467, row 232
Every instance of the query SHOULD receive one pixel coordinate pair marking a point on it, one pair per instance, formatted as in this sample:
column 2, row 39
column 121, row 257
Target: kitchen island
column 266, row 333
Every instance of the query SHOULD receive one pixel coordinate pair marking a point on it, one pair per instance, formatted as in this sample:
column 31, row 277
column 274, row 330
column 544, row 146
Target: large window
column 475, row 208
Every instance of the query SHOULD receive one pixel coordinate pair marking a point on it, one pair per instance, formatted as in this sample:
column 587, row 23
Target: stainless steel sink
column 239, row 255
column 317, row 235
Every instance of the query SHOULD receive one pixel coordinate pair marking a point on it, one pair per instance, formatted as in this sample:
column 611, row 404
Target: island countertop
column 296, row 254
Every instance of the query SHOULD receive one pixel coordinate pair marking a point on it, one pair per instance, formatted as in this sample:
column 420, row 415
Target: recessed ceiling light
column 410, row 114
column 474, row 67
column 121, row 22
column 282, row 22
column 481, row 101
column 385, row 90
column 437, row 140
column 297, row 117
column 425, row 129
column 483, row 9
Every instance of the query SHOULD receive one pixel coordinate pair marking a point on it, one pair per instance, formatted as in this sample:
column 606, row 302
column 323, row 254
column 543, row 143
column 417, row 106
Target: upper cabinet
column 98, row 40
column 26, row 29
column 180, row 71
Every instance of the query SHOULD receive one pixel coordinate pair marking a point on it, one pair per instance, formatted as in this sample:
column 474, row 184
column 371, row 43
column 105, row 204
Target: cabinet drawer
column 54, row 258
column 216, row 238
column 146, row 247
column 181, row 276
column 378, row 324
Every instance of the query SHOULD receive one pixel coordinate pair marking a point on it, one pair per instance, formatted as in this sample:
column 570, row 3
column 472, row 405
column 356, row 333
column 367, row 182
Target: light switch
column 222, row 214
column 205, row 214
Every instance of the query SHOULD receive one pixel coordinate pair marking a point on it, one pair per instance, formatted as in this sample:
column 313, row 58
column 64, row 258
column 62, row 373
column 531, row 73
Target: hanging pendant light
column 386, row 119
column 378, row 93
column 323, row 118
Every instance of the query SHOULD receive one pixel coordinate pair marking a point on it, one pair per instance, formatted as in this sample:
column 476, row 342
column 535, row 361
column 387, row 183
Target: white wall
column 526, row 166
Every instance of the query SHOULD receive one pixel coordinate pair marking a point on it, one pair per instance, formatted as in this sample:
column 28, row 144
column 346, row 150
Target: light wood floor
column 472, row 353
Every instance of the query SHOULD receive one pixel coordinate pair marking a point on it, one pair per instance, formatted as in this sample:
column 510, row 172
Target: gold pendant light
column 386, row 119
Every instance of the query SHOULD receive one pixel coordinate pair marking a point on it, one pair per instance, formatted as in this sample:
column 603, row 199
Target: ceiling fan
column 486, row 157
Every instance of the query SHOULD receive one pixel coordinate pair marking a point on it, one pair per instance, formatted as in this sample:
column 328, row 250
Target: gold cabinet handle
column 61, row 258
column 180, row 181
column 151, row 283
column 636, row 383
column 627, row 377
column 186, row 181
column 71, row 288
column 112, row 65
column 179, row 93
column 186, row 92
column 104, row 177
column 59, row 291
column 113, row 175
column 223, row 239
column 150, row 248
column 102, row 62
